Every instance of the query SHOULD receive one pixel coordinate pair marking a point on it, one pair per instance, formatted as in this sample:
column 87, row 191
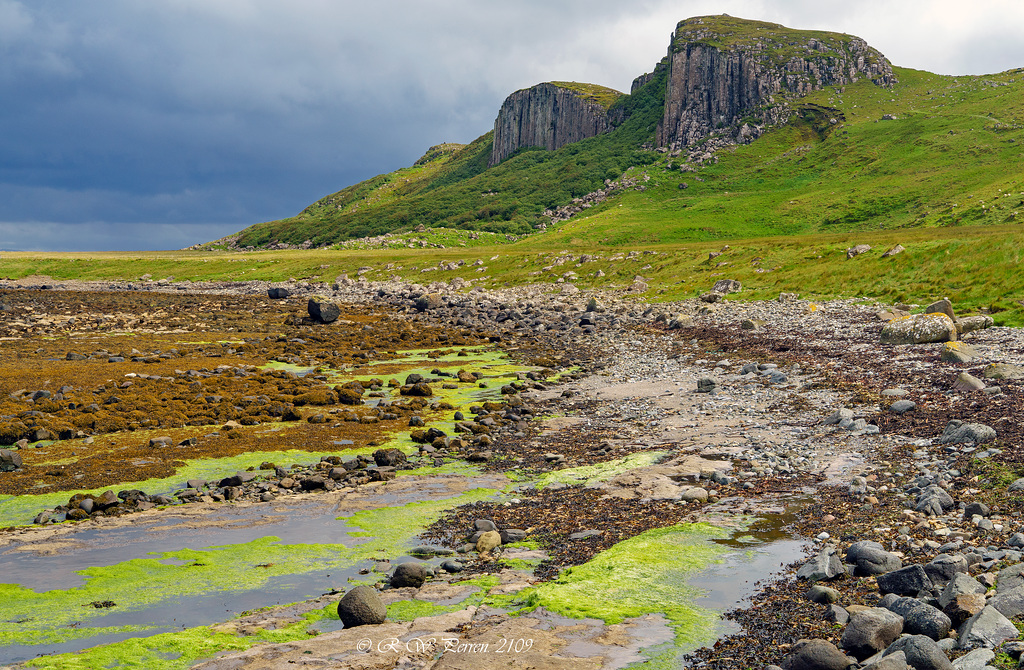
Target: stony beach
column 897, row 465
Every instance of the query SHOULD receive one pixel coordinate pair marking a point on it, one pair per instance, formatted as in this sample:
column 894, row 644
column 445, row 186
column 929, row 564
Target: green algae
column 19, row 510
column 179, row 650
column 600, row 472
column 390, row 530
column 33, row 617
column 646, row 574
column 408, row 610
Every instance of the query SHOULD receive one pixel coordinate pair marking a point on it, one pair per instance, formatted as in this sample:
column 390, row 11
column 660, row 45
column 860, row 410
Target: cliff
column 724, row 72
column 552, row 115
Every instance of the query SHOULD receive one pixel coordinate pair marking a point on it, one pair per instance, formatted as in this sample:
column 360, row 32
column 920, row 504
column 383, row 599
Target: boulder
column 322, row 310
column 870, row 631
column 943, row 306
column 408, row 574
column 919, row 329
column 9, row 460
column 872, row 561
column 816, row 655
column 822, row 595
column 390, row 457
column 1010, row 578
column 725, row 286
column 898, row 249
column 361, row 606
column 428, row 301
column 922, row 653
column 908, row 581
column 959, row 585
column 958, row 352
column 967, row 382
column 1003, row 371
column 894, row 661
column 488, row 541
column 944, row 567
column 969, row 324
column 958, row 432
column 934, row 500
column 1009, row 602
column 277, row 292
column 826, row 565
column 974, row 660
column 919, row 618
column 857, row 250
column 988, row 628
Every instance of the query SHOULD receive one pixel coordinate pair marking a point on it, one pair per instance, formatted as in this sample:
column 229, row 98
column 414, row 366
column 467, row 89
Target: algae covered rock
column 919, row 329
column 361, row 606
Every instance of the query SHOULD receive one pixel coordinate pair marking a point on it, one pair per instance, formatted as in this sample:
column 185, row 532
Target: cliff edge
column 725, row 72
column 552, row 115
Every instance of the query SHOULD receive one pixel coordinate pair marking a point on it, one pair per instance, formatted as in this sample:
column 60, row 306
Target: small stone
column 902, row 406
column 822, row 595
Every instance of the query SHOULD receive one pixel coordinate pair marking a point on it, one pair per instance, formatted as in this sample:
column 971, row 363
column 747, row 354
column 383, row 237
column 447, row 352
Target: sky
column 129, row 125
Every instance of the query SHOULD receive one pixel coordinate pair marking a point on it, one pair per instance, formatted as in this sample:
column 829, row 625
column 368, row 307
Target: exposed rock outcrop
column 551, row 115
column 737, row 74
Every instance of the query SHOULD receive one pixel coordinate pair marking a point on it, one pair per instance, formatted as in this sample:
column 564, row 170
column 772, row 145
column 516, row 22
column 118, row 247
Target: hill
column 744, row 129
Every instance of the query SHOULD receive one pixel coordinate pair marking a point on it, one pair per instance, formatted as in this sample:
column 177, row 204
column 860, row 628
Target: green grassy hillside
column 953, row 155
column 454, row 188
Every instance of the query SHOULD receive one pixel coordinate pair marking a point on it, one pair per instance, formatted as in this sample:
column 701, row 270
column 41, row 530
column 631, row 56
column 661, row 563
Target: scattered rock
column 322, row 310
column 870, row 631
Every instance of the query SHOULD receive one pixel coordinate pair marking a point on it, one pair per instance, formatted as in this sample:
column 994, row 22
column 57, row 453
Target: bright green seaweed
column 646, row 574
column 31, row 617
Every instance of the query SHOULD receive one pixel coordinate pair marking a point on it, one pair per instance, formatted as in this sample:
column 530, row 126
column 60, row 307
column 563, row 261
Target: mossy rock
column 317, row 397
column 348, row 396
column 12, row 431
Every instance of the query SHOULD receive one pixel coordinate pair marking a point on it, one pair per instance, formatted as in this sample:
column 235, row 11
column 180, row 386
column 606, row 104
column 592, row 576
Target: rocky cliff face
column 551, row 115
column 737, row 76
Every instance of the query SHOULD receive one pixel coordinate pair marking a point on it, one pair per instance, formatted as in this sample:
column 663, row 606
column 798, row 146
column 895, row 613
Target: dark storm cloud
column 172, row 123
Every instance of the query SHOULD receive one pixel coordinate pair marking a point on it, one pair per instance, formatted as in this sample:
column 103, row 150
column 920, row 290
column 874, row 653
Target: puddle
column 245, row 557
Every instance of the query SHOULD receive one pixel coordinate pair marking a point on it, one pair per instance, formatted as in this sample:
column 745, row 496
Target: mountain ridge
column 811, row 90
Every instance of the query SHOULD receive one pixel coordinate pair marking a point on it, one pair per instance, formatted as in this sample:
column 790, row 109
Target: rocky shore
column 899, row 464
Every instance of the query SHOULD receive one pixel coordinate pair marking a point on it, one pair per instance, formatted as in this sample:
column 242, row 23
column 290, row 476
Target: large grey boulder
column 816, row 655
column 959, row 585
column 922, row 653
column 958, row 432
column 1010, row 578
column 870, row 631
column 919, row 618
column 725, row 286
column 826, row 565
column 872, row 561
column 322, row 309
column 361, row 606
column 1009, row 603
column 934, row 501
column 944, row 567
column 988, row 628
column 919, row 329
column 908, row 581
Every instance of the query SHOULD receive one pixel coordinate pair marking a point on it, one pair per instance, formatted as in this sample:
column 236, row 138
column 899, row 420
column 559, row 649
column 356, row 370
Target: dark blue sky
column 157, row 125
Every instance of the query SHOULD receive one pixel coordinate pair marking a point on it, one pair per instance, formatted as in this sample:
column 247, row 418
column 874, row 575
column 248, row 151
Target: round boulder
column 870, row 631
column 408, row 574
column 361, row 606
